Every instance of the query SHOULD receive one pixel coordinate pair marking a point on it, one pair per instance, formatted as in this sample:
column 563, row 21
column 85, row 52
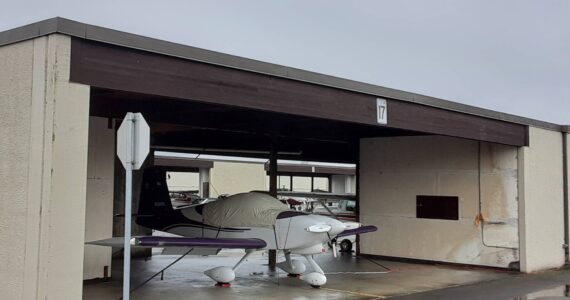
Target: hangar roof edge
column 120, row 38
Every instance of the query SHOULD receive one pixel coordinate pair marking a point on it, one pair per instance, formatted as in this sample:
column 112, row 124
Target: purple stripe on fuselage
column 227, row 243
column 359, row 230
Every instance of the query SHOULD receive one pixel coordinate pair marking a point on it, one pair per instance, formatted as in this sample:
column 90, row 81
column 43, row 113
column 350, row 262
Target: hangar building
column 442, row 181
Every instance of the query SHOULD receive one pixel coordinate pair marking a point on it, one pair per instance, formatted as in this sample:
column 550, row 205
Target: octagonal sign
column 133, row 141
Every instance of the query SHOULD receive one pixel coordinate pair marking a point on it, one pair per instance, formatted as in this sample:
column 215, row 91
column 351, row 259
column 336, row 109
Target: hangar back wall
column 518, row 190
column 484, row 177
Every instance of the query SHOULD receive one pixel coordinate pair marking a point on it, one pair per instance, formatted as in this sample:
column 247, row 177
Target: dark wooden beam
column 120, row 68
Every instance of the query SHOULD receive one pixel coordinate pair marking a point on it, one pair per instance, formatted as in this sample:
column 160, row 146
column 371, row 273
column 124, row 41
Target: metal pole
column 565, row 193
column 127, row 248
column 273, row 172
column 357, row 194
column 204, row 179
column 273, row 192
column 128, row 214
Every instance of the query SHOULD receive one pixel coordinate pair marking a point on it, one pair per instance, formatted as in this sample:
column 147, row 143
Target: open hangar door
column 193, row 106
column 397, row 167
column 190, row 126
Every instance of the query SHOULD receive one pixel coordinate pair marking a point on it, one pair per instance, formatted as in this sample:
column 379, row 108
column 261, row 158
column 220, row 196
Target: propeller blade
column 358, row 230
column 334, row 249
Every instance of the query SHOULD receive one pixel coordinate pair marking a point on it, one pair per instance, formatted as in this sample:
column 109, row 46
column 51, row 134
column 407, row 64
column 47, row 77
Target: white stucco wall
column 393, row 171
column 43, row 171
column 541, row 201
column 183, row 181
column 99, row 203
column 232, row 178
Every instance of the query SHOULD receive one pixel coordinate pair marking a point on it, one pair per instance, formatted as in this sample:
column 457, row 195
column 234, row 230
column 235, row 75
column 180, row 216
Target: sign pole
column 128, row 208
column 127, row 248
column 133, row 139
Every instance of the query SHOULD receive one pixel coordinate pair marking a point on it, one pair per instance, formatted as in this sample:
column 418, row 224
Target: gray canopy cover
column 244, row 210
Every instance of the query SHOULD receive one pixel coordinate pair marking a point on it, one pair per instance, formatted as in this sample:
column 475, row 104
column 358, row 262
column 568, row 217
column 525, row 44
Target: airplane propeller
column 325, row 228
column 332, row 242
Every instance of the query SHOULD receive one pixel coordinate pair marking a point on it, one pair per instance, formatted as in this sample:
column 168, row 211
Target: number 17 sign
column 382, row 111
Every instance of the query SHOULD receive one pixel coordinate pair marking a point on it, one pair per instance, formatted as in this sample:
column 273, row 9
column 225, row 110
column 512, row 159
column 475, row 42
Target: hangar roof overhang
column 181, row 87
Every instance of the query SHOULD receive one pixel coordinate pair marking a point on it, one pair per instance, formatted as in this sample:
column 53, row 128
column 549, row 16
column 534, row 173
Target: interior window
column 284, row 183
column 321, row 184
column 301, row 184
column 183, row 187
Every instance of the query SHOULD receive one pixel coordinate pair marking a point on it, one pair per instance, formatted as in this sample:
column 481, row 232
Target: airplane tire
column 346, row 246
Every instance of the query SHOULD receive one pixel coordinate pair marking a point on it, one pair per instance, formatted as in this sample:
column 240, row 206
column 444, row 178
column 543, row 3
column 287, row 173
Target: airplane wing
column 319, row 195
column 111, row 242
column 358, row 230
column 225, row 243
column 195, row 251
column 170, row 241
column 315, row 195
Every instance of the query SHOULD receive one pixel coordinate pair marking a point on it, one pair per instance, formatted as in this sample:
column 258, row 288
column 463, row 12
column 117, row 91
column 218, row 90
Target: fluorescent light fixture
column 198, row 156
column 315, row 164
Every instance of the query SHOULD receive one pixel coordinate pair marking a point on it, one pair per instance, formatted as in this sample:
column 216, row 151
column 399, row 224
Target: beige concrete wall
column 231, row 178
column 541, row 201
column 99, row 204
column 43, row 171
column 183, row 181
column 393, row 171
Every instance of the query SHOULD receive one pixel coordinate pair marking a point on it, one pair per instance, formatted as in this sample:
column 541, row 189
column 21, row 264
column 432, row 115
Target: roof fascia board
column 27, row 32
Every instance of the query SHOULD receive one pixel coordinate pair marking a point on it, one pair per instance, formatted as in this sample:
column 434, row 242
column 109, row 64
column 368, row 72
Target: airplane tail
column 155, row 207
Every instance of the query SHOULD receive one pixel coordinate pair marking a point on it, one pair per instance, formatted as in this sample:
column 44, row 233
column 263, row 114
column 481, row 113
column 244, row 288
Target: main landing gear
column 315, row 279
column 293, row 267
column 224, row 275
column 296, row 268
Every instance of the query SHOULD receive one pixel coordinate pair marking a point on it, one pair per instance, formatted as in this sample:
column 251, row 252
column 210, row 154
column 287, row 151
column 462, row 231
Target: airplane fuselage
column 289, row 232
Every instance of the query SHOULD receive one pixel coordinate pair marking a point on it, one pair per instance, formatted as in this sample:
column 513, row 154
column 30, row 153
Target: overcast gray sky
column 512, row 56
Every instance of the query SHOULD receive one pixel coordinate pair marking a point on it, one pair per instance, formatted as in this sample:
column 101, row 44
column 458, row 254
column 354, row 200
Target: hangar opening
column 421, row 152
column 440, row 185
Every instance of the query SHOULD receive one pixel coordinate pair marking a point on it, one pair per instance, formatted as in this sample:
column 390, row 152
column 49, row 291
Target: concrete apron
column 254, row 280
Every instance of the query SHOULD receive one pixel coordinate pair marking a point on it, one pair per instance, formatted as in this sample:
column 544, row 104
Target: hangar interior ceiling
column 185, row 126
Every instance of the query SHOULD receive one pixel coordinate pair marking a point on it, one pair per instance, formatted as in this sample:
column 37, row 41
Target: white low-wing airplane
column 251, row 221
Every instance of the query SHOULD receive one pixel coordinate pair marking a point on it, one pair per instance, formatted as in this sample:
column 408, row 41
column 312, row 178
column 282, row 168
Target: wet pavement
column 348, row 277
column 546, row 285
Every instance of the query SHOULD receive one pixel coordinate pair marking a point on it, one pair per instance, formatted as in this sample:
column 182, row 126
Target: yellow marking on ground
column 354, row 293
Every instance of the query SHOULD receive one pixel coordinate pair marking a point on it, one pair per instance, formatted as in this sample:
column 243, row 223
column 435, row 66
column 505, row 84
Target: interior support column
column 204, row 179
column 273, row 191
